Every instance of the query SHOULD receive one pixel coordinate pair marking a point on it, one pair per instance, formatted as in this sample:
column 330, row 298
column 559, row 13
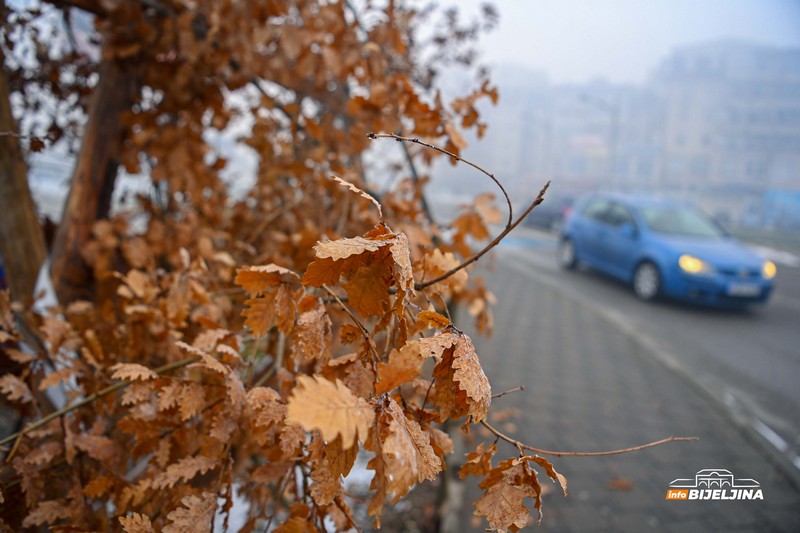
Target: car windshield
column 680, row 221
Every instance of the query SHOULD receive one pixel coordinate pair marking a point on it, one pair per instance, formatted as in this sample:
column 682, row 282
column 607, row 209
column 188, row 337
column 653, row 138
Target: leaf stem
column 509, row 391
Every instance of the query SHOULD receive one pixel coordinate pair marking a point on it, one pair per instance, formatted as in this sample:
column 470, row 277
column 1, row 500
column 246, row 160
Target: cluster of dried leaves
column 179, row 378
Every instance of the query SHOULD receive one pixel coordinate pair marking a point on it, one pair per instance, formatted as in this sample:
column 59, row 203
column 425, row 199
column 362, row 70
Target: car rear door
column 588, row 230
column 620, row 241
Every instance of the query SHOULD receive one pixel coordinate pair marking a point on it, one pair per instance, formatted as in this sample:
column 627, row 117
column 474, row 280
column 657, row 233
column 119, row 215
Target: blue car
column 663, row 249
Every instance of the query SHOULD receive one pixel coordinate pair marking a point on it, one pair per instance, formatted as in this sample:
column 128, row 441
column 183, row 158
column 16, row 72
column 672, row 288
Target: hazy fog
column 622, row 40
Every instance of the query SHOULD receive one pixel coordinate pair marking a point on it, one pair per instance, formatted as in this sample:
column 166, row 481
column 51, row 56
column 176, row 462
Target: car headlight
column 693, row 265
column 769, row 269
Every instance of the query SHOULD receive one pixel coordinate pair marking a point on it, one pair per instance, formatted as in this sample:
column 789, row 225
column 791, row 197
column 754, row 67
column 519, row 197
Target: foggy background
column 695, row 100
column 699, row 100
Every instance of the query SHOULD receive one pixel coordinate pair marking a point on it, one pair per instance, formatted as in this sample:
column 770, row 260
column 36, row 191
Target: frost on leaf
column 194, row 515
column 132, row 372
column 461, row 386
column 317, row 403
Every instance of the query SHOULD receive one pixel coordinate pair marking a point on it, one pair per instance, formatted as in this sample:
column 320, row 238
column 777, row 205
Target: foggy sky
column 622, row 40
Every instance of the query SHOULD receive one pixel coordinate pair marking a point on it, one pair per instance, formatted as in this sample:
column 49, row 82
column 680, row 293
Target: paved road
column 750, row 360
column 593, row 358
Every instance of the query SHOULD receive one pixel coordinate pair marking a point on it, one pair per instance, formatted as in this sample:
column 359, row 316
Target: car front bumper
column 718, row 289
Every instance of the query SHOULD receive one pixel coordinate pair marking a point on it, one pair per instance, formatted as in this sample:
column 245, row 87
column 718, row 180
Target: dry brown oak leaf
column 331, row 408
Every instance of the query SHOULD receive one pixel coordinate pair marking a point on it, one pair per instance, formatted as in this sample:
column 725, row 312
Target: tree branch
column 454, row 156
column 426, row 208
column 510, row 224
column 509, row 391
column 89, row 399
column 522, row 446
column 538, row 200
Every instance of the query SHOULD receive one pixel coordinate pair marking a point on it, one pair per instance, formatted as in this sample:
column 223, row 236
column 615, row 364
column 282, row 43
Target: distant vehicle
column 551, row 213
column 664, row 249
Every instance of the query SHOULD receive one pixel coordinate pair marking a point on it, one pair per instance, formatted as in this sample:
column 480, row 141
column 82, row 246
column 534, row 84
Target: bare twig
column 89, row 399
column 426, row 208
column 454, row 156
column 510, row 224
column 509, row 391
column 538, row 200
column 522, row 446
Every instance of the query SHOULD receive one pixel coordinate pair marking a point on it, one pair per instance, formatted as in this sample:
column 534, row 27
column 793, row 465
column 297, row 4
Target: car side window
column 619, row 214
column 596, row 209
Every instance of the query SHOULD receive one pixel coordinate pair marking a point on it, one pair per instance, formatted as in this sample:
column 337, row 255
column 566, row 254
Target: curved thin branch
column 539, row 198
column 522, row 446
column 426, row 208
column 89, row 399
column 510, row 225
column 400, row 138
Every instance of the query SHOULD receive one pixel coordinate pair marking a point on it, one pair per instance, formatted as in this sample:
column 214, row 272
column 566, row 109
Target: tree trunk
column 21, row 237
column 92, row 181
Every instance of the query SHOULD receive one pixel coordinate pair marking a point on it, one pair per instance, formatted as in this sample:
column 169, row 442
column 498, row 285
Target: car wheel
column 567, row 258
column 647, row 281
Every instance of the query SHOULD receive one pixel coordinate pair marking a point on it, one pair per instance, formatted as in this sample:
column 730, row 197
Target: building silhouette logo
column 714, row 484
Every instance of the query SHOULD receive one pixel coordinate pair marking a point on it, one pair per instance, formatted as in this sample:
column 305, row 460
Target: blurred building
column 718, row 124
column 731, row 126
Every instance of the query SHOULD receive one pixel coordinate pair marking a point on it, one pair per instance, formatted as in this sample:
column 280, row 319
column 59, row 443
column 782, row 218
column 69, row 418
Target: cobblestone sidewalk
column 590, row 387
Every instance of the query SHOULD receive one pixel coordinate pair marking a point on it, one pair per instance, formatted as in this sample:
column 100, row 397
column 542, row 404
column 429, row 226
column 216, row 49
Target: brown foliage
column 253, row 345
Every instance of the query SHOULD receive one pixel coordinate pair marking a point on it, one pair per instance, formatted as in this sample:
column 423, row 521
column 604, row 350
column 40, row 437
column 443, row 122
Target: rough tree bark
column 92, row 180
column 21, row 236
